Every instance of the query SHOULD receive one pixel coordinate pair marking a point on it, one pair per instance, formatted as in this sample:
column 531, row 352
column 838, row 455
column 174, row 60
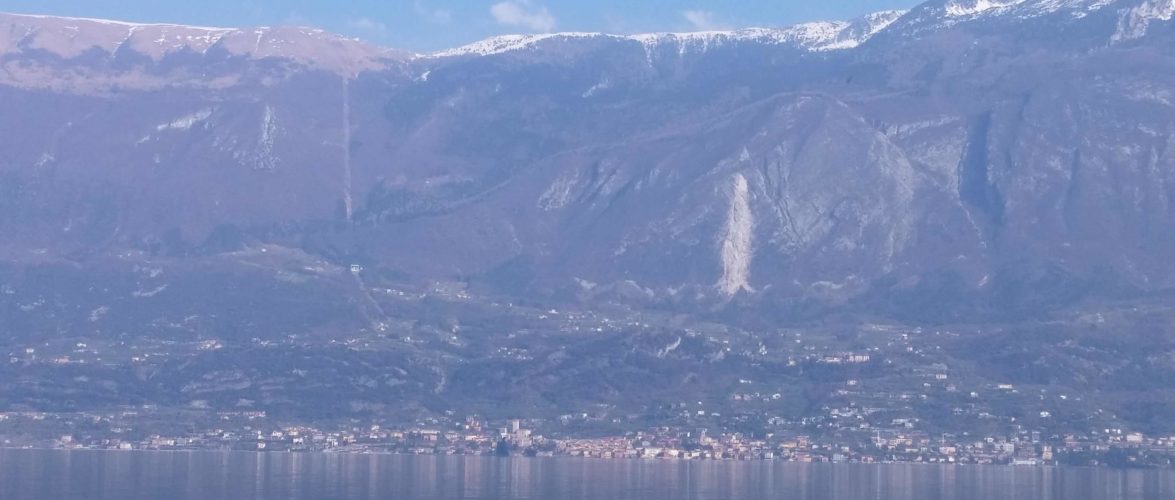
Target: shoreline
column 775, row 461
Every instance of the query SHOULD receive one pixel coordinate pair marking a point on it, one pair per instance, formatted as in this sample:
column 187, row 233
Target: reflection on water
column 76, row 475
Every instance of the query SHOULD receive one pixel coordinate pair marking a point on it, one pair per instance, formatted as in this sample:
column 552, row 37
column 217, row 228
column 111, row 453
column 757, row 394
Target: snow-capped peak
column 862, row 30
column 964, row 9
column 508, row 43
column 111, row 22
column 958, row 8
column 938, row 15
column 815, row 36
column 72, row 36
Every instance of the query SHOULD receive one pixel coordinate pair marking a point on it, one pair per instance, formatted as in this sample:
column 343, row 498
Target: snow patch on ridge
column 111, row 22
column 70, row 37
column 508, row 43
column 953, row 12
column 815, row 37
column 1137, row 21
column 863, row 31
column 186, row 122
column 738, row 242
column 960, row 8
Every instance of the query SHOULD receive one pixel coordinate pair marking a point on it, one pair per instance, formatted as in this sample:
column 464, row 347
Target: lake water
column 76, row 475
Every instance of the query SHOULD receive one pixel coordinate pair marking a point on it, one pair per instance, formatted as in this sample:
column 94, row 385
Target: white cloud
column 523, row 13
column 703, row 20
column 439, row 16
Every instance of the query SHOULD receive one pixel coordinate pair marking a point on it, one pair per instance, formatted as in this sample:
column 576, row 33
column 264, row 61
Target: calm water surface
column 65, row 475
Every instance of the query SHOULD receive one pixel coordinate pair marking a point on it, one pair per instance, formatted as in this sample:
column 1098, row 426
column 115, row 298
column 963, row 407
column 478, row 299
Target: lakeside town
column 253, row 431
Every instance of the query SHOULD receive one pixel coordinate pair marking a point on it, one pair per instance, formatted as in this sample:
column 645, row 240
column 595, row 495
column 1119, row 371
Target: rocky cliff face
column 959, row 160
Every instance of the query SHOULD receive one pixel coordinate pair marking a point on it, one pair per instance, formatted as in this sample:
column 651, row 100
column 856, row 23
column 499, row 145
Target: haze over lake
column 85, row 475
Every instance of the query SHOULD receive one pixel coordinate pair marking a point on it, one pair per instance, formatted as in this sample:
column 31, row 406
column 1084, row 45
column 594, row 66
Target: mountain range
column 961, row 161
column 593, row 229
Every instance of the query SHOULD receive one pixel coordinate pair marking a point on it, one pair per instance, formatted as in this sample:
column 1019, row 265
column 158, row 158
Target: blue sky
column 425, row 25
